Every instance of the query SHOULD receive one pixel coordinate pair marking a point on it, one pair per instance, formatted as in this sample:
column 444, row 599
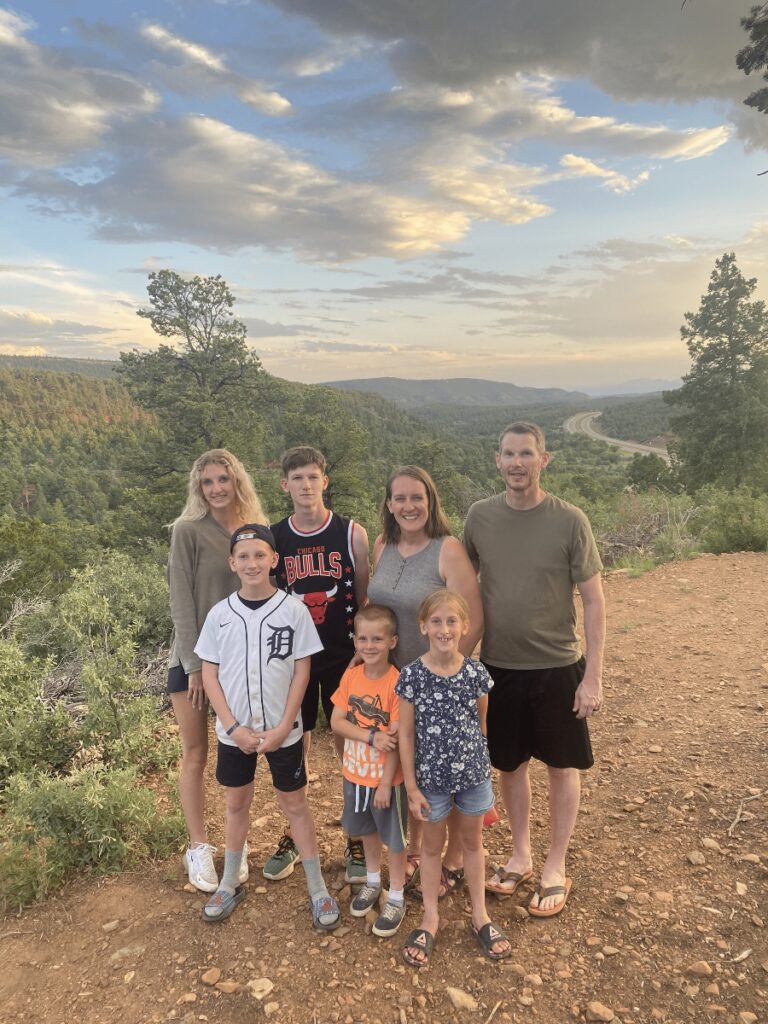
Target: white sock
column 374, row 879
column 396, row 896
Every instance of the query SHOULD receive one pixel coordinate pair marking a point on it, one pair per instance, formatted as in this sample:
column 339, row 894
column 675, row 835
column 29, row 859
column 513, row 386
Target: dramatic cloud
column 200, row 181
column 651, row 50
column 51, row 109
column 581, row 167
column 211, row 69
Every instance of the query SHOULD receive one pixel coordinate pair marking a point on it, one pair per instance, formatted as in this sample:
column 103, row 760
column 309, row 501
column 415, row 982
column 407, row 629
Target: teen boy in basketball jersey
column 323, row 562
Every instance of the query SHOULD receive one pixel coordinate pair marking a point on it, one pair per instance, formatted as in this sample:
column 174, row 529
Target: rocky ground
column 669, row 866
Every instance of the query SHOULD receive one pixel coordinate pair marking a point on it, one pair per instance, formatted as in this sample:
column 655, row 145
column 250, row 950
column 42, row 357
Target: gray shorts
column 361, row 818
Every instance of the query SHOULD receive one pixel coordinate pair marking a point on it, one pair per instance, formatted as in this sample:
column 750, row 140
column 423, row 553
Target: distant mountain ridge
column 102, row 369
column 456, row 391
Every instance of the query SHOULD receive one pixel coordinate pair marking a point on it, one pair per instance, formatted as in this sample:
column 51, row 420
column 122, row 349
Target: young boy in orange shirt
column 365, row 715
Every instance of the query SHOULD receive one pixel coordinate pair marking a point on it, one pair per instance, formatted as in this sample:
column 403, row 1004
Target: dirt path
column 669, row 862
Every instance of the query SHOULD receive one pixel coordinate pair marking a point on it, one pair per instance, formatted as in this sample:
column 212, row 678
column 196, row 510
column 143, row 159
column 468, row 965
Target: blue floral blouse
column 451, row 751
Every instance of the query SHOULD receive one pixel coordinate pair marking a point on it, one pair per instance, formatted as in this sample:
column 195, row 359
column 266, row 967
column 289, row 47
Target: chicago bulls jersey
column 318, row 567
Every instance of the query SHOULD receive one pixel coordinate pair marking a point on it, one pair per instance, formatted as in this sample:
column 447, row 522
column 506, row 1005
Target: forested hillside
column 637, row 419
column 412, row 394
column 100, row 368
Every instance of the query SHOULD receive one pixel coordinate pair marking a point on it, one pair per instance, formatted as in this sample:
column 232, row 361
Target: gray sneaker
column 389, row 920
column 356, row 872
column 283, row 860
column 365, row 899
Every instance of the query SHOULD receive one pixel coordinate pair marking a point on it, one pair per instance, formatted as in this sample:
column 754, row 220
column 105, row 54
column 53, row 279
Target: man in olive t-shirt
column 531, row 549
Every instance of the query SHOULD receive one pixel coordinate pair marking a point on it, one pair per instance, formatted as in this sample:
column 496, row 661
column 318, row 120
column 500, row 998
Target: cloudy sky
column 524, row 190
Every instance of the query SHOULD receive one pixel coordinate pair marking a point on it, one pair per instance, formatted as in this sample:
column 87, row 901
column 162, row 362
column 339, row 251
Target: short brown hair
column 376, row 613
column 523, row 427
column 436, row 524
column 300, row 456
column 443, row 596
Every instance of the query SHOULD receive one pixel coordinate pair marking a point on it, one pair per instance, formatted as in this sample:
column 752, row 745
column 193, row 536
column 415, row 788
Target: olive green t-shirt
column 529, row 562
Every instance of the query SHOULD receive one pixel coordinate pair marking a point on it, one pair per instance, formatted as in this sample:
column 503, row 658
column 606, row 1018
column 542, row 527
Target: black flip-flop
column 421, row 939
column 487, row 937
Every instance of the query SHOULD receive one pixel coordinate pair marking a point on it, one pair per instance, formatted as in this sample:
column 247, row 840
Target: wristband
column 371, row 737
column 231, row 729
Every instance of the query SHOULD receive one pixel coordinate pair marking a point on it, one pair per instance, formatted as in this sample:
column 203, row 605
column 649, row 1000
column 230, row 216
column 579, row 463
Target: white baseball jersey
column 255, row 650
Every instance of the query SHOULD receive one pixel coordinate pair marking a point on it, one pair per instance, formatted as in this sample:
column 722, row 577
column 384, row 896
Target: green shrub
column 732, row 520
column 32, row 734
column 91, row 819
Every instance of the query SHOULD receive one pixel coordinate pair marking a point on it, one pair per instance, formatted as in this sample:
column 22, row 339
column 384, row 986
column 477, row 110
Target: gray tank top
column 402, row 584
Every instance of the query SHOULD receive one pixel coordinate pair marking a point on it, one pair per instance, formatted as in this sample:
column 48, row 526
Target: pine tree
column 722, row 429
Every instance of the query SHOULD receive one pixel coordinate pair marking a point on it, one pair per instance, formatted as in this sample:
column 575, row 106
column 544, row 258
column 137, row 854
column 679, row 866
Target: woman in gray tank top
column 412, row 556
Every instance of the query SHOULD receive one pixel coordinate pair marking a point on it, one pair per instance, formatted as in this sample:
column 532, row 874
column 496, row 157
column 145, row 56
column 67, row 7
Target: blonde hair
column 246, row 499
column 436, row 525
column 377, row 613
column 443, row 595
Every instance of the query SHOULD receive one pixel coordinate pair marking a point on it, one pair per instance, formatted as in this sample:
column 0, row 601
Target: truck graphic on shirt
column 369, row 707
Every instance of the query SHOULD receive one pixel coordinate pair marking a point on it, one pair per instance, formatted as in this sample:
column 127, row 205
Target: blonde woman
column 220, row 497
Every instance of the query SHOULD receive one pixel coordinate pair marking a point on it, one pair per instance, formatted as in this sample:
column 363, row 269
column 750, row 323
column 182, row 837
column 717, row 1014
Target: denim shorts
column 473, row 801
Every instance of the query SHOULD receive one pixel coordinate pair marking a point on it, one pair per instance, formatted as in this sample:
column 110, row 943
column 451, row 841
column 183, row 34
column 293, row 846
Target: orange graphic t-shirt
column 369, row 703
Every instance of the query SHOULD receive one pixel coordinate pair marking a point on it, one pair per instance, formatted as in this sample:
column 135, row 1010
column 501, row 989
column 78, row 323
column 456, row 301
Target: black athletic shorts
column 234, row 768
column 530, row 714
column 178, row 680
column 323, row 683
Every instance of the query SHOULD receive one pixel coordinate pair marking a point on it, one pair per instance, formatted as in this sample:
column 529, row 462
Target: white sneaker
column 243, row 876
column 198, row 860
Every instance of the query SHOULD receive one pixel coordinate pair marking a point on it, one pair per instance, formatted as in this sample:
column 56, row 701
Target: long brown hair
column 436, row 524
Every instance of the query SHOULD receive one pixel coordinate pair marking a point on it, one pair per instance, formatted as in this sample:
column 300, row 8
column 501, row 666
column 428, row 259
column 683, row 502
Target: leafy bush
column 652, row 524
column 111, row 610
column 733, row 520
column 93, row 819
column 32, row 734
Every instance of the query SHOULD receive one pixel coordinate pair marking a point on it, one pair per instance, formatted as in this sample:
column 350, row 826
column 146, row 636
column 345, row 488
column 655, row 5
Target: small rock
column 534, row 980
column 228, row 987
column 188, row 887
column 129, row 976
column 713, row 989
column 271, row 1008
column 610, row 950
column 260, row 890
column 741, row 889
column 597, row 1012
column 711, row 844
column 461, row 1000
column 745, row 1017
column 750, row 858
column 110, row 926
column 211, row 976
column 525, row 1000
column 260, row 987
column 757, row 921
column 621, row 897
column 127, row 953
column 654, row 749
column 696, row 858
column 701, row 969
column 188, row 997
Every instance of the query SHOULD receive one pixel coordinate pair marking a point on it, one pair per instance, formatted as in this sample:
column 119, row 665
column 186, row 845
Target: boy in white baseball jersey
column 255, row 647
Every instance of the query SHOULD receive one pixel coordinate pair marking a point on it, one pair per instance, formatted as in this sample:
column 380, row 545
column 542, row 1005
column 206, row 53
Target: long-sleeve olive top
column 198, row 576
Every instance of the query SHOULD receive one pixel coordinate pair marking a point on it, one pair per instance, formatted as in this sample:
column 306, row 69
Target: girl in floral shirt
column 444, row 756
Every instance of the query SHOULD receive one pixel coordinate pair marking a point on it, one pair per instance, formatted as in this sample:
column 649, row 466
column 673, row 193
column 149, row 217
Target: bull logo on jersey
column 280, row 643
column 318, row 603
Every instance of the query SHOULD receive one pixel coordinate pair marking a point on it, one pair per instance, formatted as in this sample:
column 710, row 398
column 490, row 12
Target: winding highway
column 582, row 423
